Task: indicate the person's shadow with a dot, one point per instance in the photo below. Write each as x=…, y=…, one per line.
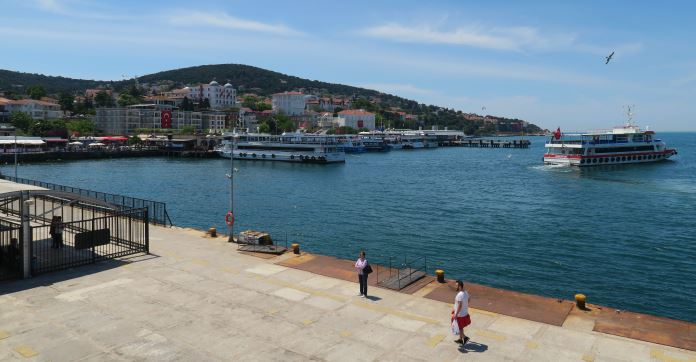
x=473, y=347
x=373, y=298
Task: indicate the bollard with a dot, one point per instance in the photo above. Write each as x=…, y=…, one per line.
x=212, y=232
x=580, y=300
x=440, y=275
x=296, y=248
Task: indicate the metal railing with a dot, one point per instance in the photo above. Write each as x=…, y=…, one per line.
x=88, y=241
x=399, y=275
x=10, y=250
x=157, y=211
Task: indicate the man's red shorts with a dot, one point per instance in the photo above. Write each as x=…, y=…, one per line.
x=463, y=321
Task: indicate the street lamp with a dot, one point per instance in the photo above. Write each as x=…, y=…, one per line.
x=15, y=153
x=231, y=177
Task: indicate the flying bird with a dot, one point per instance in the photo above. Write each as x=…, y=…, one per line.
x=609, y=58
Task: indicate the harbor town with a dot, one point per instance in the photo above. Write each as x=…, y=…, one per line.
x=319, y=181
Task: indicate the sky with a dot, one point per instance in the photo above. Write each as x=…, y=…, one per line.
x=542, y=61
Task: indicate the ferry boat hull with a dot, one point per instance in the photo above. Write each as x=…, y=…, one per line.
x=621, y=145
x=612, y=159
x=283, y=156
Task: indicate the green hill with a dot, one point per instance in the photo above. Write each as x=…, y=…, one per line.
x=265, y=82
x=16, y=82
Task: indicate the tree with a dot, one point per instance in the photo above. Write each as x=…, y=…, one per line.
x=186, y=104
x=36, y=92
x=66, y=101
x=187, y=130
x=126, y=99
x=103, y=99
x=205, y=104
x=81, y=127
x=364, y=104
x=264, y=128
x=21, y=121
x=49, y=128
x=134, y=140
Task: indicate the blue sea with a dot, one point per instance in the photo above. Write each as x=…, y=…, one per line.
x=623, y=235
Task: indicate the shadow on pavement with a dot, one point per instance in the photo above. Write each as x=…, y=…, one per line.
x=17, y=285
x=373, y=298
x=473, y=347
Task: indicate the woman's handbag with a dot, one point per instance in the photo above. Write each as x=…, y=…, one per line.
x=367, y=269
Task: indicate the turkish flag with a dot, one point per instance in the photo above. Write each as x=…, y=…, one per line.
x=166, y=118
x=557, y=134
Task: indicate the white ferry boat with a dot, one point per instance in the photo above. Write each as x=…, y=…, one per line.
x=621, y=145
x=404, y=139
x=288, y=147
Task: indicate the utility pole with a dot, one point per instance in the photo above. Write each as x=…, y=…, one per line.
x=231, y=177
x=15, y=154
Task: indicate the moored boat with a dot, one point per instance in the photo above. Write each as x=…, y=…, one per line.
x=288, y=147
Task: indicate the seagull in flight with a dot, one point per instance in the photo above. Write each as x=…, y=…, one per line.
x=609, y=58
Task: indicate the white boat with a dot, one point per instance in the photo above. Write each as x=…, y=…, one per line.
x=618, y=146
x=288, y=147
x=404, y=139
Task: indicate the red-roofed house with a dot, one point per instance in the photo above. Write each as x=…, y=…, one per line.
x=34, y=108
x=357, y=118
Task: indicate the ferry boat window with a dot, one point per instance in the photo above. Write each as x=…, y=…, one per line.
x=648, y=138
x=621, y=138
x=612, y=159
x=638, y=138
x=594, y=160
x=623, y=158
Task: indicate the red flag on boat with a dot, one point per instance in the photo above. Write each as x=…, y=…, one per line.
x=557, y=134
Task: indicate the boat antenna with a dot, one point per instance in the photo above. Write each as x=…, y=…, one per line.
x=629, y=115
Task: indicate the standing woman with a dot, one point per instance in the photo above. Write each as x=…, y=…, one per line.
x=360, y=265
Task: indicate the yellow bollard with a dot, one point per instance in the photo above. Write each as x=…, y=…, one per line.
x=440, y=275
x=212, y=232
x=580, y=300
x=296, y=248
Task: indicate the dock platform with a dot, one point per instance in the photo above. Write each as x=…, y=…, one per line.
x=199, y=299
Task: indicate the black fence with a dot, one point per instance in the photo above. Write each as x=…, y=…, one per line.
x=10, y=250
x=157, y=211
x=88, y=241
x=89, y=231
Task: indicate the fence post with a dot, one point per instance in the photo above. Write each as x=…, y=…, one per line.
x=26, y=237
x=147, y=233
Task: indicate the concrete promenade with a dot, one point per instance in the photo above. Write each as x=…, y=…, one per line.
x=198, y=299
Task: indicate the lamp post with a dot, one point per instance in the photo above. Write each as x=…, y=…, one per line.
x=15, y=153
x=231, y=177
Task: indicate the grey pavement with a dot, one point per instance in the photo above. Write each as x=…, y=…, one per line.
x=198, y=299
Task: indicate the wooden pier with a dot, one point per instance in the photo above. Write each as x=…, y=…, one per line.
x=490, y=143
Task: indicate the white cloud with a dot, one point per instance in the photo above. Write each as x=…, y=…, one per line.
x=51, y=5
x=511, y=38
x=223, y=20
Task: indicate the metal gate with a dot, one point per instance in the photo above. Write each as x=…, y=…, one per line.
x=90, y=231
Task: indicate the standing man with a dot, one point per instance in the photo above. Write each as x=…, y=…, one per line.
x=461, y=311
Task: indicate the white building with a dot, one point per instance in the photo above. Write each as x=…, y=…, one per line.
x=289, y=103
x=357, y=118
x=215, y=121
x=247, y=119
x=125, y=120
x=219, y=96
x=327, y=120
x=34, y=108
